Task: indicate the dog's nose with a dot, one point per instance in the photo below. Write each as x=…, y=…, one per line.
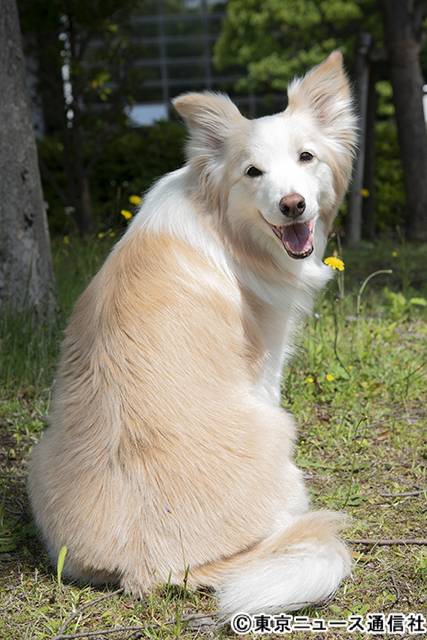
x=292, y=205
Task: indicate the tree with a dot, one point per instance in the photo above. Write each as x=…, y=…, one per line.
x=90, y=43
x=284, y=39
x=26, y=276
x=403, y=21
x=278, y=39
x=354, y=218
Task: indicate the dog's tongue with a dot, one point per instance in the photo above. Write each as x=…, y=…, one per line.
x=297, y=239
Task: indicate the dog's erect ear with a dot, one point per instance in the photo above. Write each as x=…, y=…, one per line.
x=325, y=92
x=209, y=116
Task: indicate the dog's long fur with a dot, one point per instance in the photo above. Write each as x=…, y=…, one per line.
x=167, y=449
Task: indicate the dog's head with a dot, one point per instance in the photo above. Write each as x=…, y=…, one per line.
x=271, y=178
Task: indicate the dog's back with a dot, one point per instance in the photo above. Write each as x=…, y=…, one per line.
x=149, y=461
x=167, y=450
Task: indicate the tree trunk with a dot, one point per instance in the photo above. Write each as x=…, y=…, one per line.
x=354, y=222
x=26, y=276
x=75, y=167
x=50, y=50
x=368, y=210
x=50, y=81
x=402, y=28
x=77, y=178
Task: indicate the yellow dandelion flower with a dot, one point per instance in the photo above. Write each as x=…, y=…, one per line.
x=135, y=200
x=126, y=214
x=309, y=380
x=330, y=377
x=394, y=254
x=364, y=193
x=66, y=239
x=335, y=263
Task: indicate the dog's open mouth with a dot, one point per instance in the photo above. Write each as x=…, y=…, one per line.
x=297, y=238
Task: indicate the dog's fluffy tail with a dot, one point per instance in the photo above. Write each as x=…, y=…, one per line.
x=301, y=565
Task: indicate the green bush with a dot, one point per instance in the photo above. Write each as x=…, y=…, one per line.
x=132, y=162
x=129, y=164
x=51, y=151
x=389, y=188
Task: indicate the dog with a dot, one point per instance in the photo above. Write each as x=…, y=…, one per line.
x=168, y=456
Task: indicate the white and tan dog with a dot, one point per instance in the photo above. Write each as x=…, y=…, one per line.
x=168, y=451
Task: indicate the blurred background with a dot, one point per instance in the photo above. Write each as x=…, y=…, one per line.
x=87, y=122
x=102, y=75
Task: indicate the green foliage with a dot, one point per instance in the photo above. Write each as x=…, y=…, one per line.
x=396, y=302
x=130, y=163
x=60, y=563
x=8, y=539
x=94, y=43
x=388, y=178
x=51, y=161
x=93, y=40
x=356, y=388
x=400, y=305
x=276, y=40
x=388, y=175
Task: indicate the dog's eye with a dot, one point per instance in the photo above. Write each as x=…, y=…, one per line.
x=306, y=156
x=253, y=172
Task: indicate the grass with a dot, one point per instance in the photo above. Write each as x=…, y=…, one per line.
x=357, y=388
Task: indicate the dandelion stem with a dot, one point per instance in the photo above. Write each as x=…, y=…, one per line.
x=363, y=287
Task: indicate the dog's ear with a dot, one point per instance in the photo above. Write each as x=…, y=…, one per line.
x=325, y=92
x=209, y=117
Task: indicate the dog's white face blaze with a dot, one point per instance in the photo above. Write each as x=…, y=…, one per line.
x=319, y=121
x=274, y=145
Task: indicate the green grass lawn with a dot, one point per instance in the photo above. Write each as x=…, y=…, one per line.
x=357, y=387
